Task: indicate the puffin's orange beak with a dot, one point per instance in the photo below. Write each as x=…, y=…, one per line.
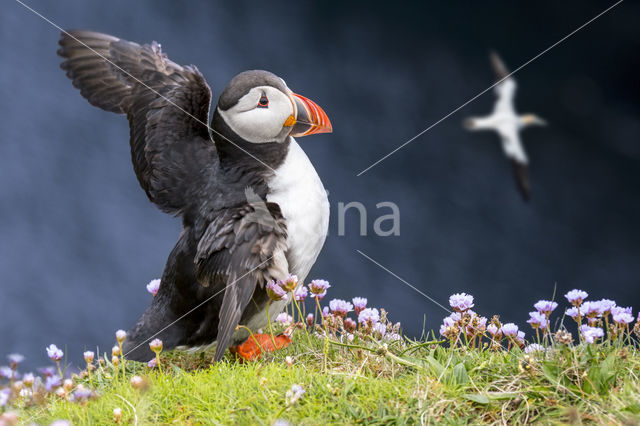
x=310, y=118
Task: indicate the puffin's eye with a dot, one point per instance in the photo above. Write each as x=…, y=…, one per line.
x=263, y=102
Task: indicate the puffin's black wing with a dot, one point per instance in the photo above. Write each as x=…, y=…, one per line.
x=167, y=106
x=521, y=174
x=244, y=252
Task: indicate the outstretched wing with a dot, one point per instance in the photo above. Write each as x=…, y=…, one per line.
x=505, y=90
x=521, y=174
x=244, y=253
x=167, y=106
x=514, y=150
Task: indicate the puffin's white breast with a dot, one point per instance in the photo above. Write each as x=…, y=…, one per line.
x=297, y=189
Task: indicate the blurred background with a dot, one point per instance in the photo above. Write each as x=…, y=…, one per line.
x=79, y=239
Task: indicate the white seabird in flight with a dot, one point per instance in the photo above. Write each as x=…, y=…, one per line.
x=508, y=124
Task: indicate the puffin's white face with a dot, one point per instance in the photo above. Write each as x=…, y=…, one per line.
x=264, y=114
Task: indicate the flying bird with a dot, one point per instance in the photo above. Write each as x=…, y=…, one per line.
x=508, y=124
x=221, y=178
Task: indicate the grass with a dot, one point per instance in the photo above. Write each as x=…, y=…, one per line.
x=369, y=382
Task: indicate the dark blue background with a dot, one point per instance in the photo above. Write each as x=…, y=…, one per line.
x=79, y=240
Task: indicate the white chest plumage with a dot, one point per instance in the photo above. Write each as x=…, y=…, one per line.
x=297, y=189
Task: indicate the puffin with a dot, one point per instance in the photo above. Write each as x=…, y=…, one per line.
x=252, y=206
x=507, y=123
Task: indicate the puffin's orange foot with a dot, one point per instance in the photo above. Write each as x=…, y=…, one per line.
x=255, y=346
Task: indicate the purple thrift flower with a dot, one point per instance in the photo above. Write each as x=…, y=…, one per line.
x=590, y=309
x=510, y=329
x=545, y=306
x=575, y=297
x=121, y=335
x=275, y=291
x=622, y=318
x=369, y=316
x=290, y=283
x=452, y=320
x=153, y=287
x=325, y=312
x=81, y=394
x=156, y=345
x=359, y=304
x=15, y=360
x=477, y=325
x=538, y=320
x=619, y=309
x=52, y=382
x=461, y=302
x=6, y=372
x=284, y=318
x=380, y=329
x=294, y=394
x=494, y=331
x=443, y=330
x=350, y=325
x=318, y=288
x=534, y=347
x=310, y=320
x=573, y=313
x=606, y=306
x=4, y=397
x=28, y=379
x=340, y=307
x=152, y=363
x=591, y=334
x=54, y=353
x=47, y=371
x=301, y=293
x=89, y=356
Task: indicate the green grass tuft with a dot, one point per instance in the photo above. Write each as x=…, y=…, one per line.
x=410, y=382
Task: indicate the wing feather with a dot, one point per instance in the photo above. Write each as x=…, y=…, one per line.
x=505, y=91
x=167, y=106
x=245, y=253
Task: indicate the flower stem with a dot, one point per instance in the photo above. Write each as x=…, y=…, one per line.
x=89, y=373
x=326, y=335
x=158, y=360
x=278, y=414
x=302, y=318
x=122, y=362
x=273, y=340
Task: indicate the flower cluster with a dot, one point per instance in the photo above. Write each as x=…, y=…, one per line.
x=29, y=388
x=461, y=302
x=463, y=324
x=602, y=316
x=334, y=318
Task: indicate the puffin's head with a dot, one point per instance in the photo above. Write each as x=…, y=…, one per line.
x=531, y=120
x=260, y=108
